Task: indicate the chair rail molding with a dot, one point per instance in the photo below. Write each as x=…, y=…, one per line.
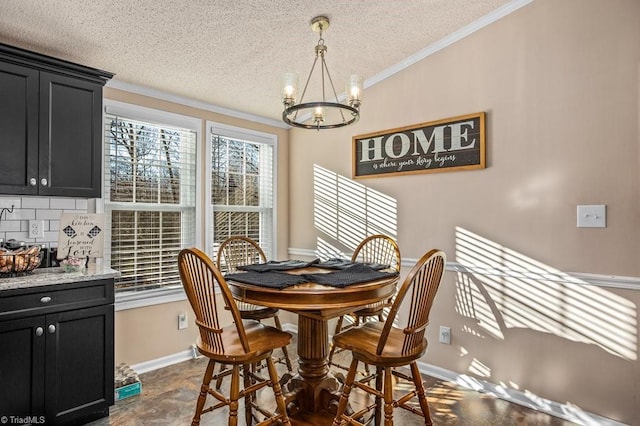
x=577, y=278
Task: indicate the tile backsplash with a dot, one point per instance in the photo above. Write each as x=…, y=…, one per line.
x=15, y=224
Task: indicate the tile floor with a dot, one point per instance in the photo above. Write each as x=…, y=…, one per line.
x=169, y=396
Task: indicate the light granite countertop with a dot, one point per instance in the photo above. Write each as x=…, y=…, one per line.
x=51, y=276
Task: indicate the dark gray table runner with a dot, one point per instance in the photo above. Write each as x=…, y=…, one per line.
x=337, y=263
x=354, y=274
x=278, y=265
x=270, y=279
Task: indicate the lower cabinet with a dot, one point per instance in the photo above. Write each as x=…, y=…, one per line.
x=22, y=367
x=57, y=368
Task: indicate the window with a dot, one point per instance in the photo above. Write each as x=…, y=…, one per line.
x=149, y=196
x=241, y=186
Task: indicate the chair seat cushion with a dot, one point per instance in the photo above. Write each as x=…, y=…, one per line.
x=262, y=340
x=362, y=341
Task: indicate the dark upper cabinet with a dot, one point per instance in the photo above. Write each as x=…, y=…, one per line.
x=50, y=125
x=18, y=128
x=70, y=137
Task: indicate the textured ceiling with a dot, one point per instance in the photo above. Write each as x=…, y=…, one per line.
x=233, y=54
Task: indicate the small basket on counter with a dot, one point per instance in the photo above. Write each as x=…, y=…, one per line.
x=19, y=261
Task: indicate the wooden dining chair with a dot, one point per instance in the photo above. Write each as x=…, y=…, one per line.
x=239, y=251
x=389, y=346
x=239, y=344
x=380, y=249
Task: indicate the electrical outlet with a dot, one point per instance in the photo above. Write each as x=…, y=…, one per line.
x=36, y=229
x=445, y=335
x=183, y=321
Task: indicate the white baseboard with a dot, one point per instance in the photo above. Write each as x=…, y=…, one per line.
x=568, y=412
x=165, y=361
x=564, y=411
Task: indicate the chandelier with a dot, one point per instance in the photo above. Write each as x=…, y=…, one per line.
x=328, y=112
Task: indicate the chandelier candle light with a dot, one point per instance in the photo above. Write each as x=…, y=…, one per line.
x=322, y=114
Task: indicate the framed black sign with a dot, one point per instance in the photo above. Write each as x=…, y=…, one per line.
x=456, y=143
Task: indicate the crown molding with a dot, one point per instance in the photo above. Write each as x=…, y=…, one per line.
x=164, y=96
x=447, y=41
x=394, y=69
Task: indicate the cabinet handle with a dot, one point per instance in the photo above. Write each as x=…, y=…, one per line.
x=52, y=328
x=33, y=182
x=45, y=299
x=44, y=181
x=39, y=331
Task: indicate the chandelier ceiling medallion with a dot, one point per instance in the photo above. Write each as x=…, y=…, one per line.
x=328, y=112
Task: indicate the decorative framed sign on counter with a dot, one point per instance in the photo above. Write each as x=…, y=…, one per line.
x=456, y=143
x=81, y=235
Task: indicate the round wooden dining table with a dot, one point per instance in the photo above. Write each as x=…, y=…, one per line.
x=314, y=388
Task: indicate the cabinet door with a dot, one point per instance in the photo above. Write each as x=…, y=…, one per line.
x=18, y=129
x=22, y=346
x=79, y=364
x=70, y=137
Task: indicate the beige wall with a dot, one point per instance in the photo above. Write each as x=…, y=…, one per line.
x=559, y=83
x=148, y=333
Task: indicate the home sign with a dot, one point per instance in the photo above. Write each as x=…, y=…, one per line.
x=456, y=143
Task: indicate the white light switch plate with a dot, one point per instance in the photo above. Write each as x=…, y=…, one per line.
x=592, y=216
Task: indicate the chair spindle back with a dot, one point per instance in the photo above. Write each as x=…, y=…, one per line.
x=238, y=251
x=421, y=286
x=199, y=278
x=380, y=249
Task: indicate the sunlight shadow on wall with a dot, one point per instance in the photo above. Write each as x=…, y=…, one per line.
x=502, y=289
x=346, y=212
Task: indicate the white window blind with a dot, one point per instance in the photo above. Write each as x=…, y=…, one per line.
x=242, y=188
x=150, y=200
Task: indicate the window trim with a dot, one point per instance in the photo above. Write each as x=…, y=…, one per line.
x=137, y=112
x=250, y=135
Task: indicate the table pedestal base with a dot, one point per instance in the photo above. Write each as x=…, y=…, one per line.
x=313, y=397
x=314, y=391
